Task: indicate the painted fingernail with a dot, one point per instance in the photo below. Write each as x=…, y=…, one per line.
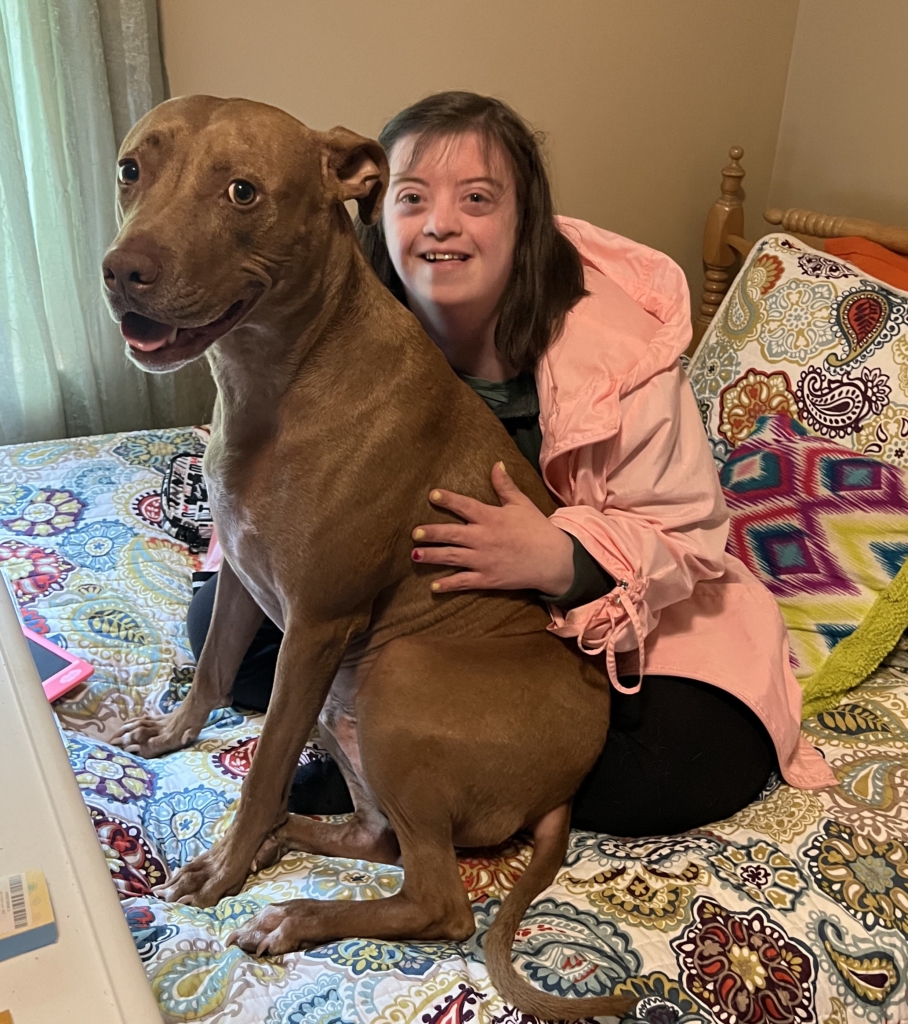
x=416, y=555
x=435, y=586
x=418, y=534
x=435, y=496
x=501, y=467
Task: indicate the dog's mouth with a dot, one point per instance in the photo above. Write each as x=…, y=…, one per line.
x=162, y=344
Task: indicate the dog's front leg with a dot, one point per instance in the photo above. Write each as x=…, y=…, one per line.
x=309, y=658
x=234, y=622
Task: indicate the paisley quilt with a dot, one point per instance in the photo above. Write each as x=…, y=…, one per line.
x=794, y=911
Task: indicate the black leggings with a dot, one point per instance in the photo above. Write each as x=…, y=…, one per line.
x=680, y=754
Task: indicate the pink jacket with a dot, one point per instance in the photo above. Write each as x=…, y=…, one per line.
x=625, y=450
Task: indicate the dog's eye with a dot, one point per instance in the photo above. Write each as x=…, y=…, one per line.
x=128, y=172
x=241, y=192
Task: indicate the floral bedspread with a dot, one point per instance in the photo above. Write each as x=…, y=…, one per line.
x=793, y=911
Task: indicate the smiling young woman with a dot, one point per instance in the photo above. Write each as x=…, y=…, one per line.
x=572, y=336
x=450, y=224
x=449, y=143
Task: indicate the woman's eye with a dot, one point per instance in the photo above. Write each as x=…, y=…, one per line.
x=127, y=172
x=476, y=197
x=411, y=198
x=240, y=192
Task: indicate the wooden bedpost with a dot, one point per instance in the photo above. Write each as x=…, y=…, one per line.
x=725, y=218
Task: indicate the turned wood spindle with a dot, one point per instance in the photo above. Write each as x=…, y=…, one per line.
x=726, y=218
x=820, y=225
x=816, y=226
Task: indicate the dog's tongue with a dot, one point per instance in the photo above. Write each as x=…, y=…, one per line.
x=144, y=334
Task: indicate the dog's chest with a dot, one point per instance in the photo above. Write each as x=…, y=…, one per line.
x=252, y=548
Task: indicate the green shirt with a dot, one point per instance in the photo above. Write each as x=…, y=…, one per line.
x=516, y=403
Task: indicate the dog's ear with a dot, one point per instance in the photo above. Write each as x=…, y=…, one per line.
x=354, y=167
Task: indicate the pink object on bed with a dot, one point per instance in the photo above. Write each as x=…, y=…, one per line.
x=70, y=670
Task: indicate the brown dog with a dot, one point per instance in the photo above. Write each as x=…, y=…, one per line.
x=456, y=719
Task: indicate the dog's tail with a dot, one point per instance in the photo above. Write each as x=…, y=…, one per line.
x=550, y=836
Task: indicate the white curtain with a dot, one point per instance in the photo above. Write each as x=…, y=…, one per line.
x=74, y=76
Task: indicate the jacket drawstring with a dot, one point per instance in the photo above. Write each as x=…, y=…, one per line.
x=613, y=603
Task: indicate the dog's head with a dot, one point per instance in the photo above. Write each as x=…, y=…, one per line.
x=223, y=205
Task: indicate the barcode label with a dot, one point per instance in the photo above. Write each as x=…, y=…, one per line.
x=17, y=900
x=15, y=904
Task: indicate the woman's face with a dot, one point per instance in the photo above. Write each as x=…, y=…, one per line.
x=450, y=221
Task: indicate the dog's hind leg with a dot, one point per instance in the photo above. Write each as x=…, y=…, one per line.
x=432, y=904
x=367, y=835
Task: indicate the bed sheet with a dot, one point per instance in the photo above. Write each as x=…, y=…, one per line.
x=794, y=910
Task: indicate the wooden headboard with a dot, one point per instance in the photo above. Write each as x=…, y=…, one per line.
x=724, y=243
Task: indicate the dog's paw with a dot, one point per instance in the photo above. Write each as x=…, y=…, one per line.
x=151, y=736
x=273, y=931
x=204, y=880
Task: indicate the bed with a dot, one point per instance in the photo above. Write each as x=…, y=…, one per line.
x=793, y=911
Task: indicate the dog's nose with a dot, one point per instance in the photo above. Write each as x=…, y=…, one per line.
x=129, y=270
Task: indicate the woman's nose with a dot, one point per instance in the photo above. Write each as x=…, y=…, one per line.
x=442, y=220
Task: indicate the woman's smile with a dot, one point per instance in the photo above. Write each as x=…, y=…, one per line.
x=444, y=257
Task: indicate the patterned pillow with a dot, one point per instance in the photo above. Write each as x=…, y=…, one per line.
x=824, y=529
x=810, y=336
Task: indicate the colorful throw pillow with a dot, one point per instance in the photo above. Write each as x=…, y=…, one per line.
x=806, y=335
x=825, y=529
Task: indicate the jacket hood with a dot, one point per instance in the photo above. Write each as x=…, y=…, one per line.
x=633, y=324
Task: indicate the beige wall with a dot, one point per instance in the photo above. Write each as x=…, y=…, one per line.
x=843, y=142
x=637, y=97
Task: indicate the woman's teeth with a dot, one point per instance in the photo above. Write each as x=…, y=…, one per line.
x=433, y=257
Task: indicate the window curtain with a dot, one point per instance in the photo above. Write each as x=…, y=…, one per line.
x=74, y=76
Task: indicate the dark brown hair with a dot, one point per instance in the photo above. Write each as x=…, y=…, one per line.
x=547, y=275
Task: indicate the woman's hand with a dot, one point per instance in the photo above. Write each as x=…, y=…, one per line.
x=511, y=547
